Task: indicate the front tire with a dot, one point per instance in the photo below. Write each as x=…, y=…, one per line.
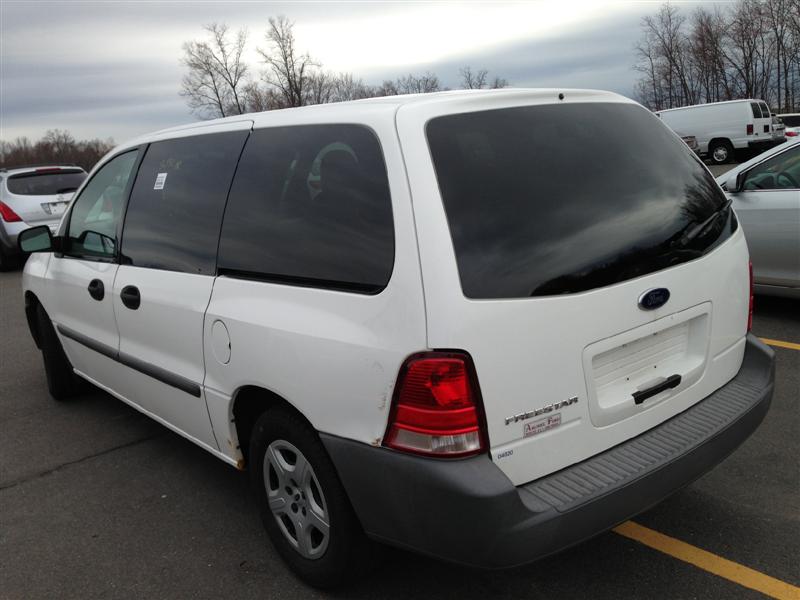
x=303, y=505
x=61, y=380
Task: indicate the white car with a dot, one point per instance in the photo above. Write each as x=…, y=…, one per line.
x=791, y=121
x=451, y=343
x=30, y=196
x=766, y=197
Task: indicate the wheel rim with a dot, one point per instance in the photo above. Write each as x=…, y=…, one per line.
x=296, y=499
x=720, y=154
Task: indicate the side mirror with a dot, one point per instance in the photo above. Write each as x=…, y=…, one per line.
x=733, y=184
x=36, y=239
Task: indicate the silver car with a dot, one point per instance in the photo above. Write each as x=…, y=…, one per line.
x=766, y=198
x=31, y=196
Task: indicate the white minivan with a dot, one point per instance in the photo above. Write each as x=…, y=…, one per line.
x=723, y=127
x=423, y=321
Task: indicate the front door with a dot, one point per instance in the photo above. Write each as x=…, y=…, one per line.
x=82, y=276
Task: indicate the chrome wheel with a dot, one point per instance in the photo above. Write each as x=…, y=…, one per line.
x=720, y=154
x=296, y=499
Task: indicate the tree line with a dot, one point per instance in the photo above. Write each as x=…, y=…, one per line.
x=748, y=49
x=56, y=147
x=218, y=81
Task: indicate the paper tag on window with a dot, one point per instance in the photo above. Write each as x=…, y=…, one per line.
x=161, y=178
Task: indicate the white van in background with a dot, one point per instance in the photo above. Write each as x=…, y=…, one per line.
x=722, y=127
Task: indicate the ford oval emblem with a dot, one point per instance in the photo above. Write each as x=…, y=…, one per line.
x=652, y=299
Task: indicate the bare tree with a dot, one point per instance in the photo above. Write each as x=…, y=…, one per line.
x=57, y=146
x=215, y=81
x=473, y=80
x=418, y=84
x=288, y=71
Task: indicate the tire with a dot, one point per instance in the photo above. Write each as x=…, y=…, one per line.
x=721, y=153
x=61, y=380
x=322, y=559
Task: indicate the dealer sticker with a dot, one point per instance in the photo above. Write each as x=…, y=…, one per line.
x=161, y=179
x=542, y=425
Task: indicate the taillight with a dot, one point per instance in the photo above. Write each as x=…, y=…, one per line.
x=750, y=309
x=790, y=133
x=9, y=216
x=436, y=409
x=750, y=129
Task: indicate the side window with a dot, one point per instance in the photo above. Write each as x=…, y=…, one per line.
x=781, y=172
x=176, y=205
x=96, y=214
x=310, y=206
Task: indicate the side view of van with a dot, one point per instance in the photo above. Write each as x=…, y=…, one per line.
x=411, y=321
x=721, y=128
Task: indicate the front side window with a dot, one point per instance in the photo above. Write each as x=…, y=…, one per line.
x=558, y=199
x=781, y=172
x=310, y=206
x=96, y=214
x=174, y=215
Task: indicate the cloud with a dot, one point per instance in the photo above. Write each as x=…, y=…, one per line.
x=112, y=69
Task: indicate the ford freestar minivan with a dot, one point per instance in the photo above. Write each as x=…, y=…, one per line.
x=483, y=326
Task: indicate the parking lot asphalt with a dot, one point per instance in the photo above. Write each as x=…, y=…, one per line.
x=97, y=501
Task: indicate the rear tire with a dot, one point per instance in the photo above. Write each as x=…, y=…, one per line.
x=721, y=153
x=61, y=380
x=311, y=523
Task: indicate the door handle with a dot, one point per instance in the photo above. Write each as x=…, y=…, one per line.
x=130, y=297
x=96, y=289
x=670, y=382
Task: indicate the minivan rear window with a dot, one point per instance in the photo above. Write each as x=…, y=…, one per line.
x=790, y=120
x=557, y=199
x=46, y=182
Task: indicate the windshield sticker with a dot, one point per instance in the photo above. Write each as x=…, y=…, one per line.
x=161, y=178
x=542, y=425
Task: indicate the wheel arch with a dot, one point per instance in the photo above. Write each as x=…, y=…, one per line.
x=31, y=304
x=248, y=403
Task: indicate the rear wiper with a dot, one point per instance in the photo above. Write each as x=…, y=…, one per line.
x=700, y=228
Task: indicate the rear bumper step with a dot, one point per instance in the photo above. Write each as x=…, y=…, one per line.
x=467, y=511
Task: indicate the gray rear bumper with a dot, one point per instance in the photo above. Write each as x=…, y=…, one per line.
x=467, y=511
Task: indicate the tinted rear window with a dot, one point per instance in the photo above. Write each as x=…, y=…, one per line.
x=175, y=210
x=46, y=183
x=557, y=199
x=790, y=121
x=754, y=106
x=310, y=206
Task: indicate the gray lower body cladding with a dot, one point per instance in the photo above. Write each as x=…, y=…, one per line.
x=467, y=511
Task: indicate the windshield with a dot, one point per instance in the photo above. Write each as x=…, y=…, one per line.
x=557, y=199
x=46, y=183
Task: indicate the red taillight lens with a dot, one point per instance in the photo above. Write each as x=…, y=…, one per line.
x=750, y=309
x=436, y=411
x=791, y=133
x=750, y=129
x=9, y=216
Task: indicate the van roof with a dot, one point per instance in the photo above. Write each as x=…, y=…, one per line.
x=711, y=104
x=391, y=104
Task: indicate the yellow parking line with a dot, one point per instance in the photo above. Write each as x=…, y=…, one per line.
x=707, y=561
x=780, y=344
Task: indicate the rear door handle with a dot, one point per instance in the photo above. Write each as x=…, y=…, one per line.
x=669, y=383
x=130, y=297
x=96, y=289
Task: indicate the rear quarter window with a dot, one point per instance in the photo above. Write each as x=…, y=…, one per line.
x=557, y=199
x=310, y=206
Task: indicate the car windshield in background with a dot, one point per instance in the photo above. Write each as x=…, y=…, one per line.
x=557, y=199
x=46, y=183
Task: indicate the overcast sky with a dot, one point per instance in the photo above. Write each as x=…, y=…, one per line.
x=111, y=69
